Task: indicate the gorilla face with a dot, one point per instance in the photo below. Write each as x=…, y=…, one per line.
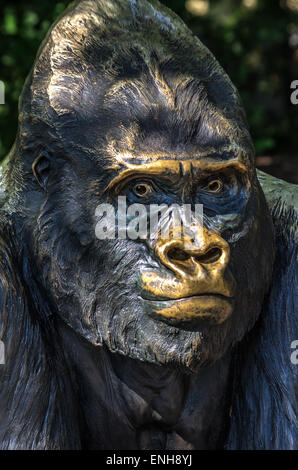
x=156, y=127
x=160, y=300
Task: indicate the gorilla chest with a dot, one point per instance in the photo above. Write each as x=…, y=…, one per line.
x=174, y=416
x=139, y=424
x=153, y=417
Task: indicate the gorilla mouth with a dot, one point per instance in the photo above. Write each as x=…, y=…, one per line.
x=215, y=308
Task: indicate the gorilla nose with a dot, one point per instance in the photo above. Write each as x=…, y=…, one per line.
x=211, y=256
x=192, y=258
x=198, y=266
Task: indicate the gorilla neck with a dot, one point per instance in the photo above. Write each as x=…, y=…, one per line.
x=127, y=404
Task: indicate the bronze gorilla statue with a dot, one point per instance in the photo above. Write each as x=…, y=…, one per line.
x=146, y=343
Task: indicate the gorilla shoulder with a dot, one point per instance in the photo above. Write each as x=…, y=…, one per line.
x=268, y=378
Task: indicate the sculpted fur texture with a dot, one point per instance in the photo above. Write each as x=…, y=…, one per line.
x=146, y=343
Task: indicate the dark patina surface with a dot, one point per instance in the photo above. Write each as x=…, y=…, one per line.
x=141, y=344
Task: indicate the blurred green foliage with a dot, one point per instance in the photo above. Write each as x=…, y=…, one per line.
x=256, y=41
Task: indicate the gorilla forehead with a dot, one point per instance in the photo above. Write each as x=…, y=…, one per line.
x=129, y=74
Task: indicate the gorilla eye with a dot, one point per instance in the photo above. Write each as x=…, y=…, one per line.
x=142, y=189
x=215, y=186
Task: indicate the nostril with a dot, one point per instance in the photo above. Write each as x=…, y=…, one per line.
x=211, y=256
x=176, y=254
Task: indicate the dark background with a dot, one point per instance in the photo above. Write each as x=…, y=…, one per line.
x=256, y=41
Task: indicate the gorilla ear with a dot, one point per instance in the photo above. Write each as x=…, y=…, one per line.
x=41, y=169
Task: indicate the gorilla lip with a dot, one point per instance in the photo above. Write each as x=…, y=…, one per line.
x=213, y=307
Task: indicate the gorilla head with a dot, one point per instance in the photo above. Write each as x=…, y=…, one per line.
x=124, y=101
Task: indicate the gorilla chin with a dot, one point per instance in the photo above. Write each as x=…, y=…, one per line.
x=188, y=337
